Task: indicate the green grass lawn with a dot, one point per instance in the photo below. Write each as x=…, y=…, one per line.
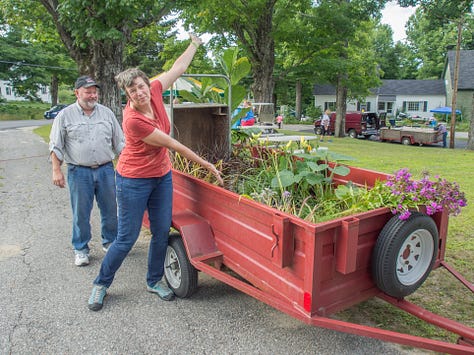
x=22, y=110
x=441, y=293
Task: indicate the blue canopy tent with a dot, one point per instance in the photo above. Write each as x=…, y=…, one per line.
x=446, y=110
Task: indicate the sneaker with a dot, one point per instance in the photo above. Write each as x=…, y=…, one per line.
x=162, y=290
x=105, y=247
x=96, y=300
x=81, y=259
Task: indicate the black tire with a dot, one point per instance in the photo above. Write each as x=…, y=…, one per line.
x=404, y=254
x=406, y=141
x=318, y=131
x=181, y=275
x=352, y=133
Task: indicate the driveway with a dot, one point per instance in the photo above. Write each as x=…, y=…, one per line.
x=43, y=296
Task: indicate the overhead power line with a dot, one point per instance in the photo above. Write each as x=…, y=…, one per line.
x=35, y=65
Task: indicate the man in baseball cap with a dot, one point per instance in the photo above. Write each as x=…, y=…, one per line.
x=87, y=137
x=85, y=82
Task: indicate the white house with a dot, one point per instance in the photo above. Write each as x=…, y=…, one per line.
x=415, y=97
x=8, y=93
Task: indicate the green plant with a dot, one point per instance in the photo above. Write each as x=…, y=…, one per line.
x=301, y=182
x=314, y=112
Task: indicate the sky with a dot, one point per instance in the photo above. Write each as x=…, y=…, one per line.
x=396, y=17
x=392, y=15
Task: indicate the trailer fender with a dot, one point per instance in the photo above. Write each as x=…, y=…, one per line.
x=404, y=254
x=196, y=233
x=193, y=244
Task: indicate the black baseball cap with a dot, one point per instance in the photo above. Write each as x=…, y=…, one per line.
x=85, y=82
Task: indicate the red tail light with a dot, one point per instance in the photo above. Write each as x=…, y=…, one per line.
x=307, y=301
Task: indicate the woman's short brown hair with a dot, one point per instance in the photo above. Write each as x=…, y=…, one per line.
x=125, y=79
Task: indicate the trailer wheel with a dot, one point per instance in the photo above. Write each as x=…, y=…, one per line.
x=404, y=254
x=318, y=131
x=406, y=141
x=182, y=277
x=352, y=133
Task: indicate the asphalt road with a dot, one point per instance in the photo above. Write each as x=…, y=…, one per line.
x=43, y=295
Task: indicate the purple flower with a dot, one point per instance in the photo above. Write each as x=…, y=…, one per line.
x=435, y=195
x=405, y=215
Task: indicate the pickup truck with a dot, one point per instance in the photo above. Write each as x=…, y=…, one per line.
x=356, y=124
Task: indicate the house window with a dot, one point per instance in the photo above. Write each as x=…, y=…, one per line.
x=417, y=106
x=8, y=91
x=413, y=106
x=389, y=107
x=330, y=106
x=363, y=106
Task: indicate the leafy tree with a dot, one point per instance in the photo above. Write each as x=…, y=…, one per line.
x=442, y=13
x=253, y=24
x=345, y=55
x=386, y=53
x=95, y=33
x=430, y=41
x=28, y=62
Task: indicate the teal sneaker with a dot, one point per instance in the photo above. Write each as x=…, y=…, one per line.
x=162, y=290
x=96, y=300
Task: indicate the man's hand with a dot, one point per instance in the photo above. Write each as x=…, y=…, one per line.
x=58, y=178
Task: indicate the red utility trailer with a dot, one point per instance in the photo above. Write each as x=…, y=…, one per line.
x=308, y=270
x=410, y=135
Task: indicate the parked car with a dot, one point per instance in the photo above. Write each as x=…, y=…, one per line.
x=53, y=111
x=357, y=124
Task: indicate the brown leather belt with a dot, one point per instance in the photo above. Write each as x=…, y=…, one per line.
x=93, y=166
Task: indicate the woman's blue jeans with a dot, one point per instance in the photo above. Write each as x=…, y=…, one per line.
x=133, y=197
x=85, y=184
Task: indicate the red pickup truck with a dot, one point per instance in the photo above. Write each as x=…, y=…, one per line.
x=357, y=124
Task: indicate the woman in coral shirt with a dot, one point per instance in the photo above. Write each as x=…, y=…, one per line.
x=144, y=176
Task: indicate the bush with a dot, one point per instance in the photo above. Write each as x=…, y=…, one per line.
x=22, y=110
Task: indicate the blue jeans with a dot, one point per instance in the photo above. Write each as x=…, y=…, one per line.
x=133, y=197
x=85, y=184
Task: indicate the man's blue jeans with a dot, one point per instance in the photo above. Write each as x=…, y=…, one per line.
x=133, y=197
x=85, y=184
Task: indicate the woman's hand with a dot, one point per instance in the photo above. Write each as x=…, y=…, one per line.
x=211, y=167
x=195, y=39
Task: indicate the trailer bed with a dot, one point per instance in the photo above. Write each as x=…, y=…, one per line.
x=410, y=135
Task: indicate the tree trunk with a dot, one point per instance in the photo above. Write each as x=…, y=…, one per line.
x=261, y=48
x=470, y=136
x=54, y=89
x=298, y=105
x=341, y=107
x=108, y=62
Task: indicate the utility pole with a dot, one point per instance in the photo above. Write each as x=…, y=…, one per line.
x=455, y=85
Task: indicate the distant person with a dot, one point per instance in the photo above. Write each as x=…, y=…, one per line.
x=279, y=120
x=325, y=121
x=87, y=137
x=443, y=132
x=432, y=122
x=144, y=177
x=249, y=119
